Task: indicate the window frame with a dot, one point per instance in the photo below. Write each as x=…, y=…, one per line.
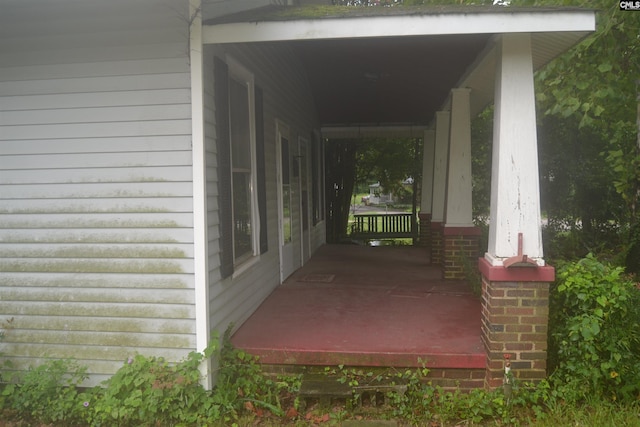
x=242, y=75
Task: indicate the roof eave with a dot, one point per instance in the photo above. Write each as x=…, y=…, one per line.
x=463, y=22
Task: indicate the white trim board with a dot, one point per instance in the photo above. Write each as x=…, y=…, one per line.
x=406, y=25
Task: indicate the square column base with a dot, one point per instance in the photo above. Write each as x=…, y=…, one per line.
x=515, y=318
x=425, y=230
x=461, y=246
x=436, y=230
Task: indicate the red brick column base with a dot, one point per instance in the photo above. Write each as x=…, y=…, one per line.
x=425, y=230
x=515, y=317
x=460, y=247
x=436, y=242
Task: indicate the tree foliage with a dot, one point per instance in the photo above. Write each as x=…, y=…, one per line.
x=388, y=161
x=594, y=89
x=589, y=135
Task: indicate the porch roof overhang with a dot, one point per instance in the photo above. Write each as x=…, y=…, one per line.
x=386, y=71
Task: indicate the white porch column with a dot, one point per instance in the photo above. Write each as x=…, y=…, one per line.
x=511, y=284
x=515, y=192
x=440, y=165
x=440, y=154
x=428, y=155
x=459, y=236
x=428, y=139
x=458, y=211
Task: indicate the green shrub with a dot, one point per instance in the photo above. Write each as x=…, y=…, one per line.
x=48, y=393
x=149, y=390
x=594, y=339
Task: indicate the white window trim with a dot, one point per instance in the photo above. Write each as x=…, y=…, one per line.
x=282, y=130
x=241, y=74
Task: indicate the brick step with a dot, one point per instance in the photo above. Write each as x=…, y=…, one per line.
x=329, y=386
x=326, y=388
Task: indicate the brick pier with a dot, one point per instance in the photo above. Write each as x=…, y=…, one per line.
x=460, y=248
x=515, y=315
x=425, y=229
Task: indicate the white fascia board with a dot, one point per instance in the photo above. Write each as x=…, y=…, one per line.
x=408, y=25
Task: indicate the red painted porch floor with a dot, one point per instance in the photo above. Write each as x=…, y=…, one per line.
x=367, y=306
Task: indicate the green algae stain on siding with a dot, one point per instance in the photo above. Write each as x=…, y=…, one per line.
x=87, y=251
x=157, y=282
x=89, y=237
x=121, y=296
x=71, y=209
x=106, y=311
x=104, y=339
x=91, y=223
x=130, y=324
x=92, y=266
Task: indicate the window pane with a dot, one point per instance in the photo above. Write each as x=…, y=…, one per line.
x=284, y=144
x=239, y=125
x=242, y=214
x=286, y=191
x=286, y=213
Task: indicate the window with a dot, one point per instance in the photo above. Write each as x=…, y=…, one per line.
x=287, y=217
x=242, y=169
x=317, y=178
x=240, y=164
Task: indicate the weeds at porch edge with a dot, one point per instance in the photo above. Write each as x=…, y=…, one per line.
x=149, y=391
x=409, y=396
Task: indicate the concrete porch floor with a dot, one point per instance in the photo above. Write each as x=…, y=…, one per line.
x=367, y=306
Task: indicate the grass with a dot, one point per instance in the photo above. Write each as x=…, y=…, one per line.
x=593, y=414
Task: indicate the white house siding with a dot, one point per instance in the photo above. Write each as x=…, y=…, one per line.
x=96, y=238
x=287, y=98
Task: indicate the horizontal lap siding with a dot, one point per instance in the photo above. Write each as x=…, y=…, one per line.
x=287, y=97
x=96, y=211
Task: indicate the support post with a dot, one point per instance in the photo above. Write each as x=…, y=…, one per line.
x=515, y=191
x=460, y=236
x=440, y=164
x=426, y=199
x=515, y=317
x=515, y=293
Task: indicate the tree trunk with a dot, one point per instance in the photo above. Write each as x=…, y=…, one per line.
x=341, y=161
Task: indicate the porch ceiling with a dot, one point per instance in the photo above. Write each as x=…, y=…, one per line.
x=388, y=80
x=393, y=68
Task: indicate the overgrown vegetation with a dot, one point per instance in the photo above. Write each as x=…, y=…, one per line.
x=147, y=391
x=595, y=334
x=594, y=378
